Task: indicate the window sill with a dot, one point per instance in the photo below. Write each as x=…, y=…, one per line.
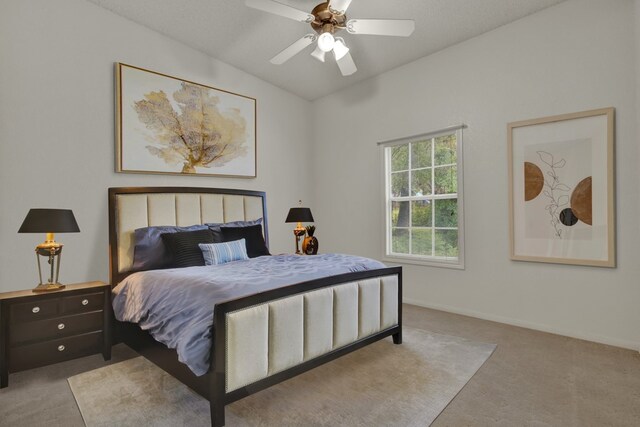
x=456, y=265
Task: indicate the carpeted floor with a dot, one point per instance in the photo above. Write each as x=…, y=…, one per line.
x=538, y=379
x=380, y=385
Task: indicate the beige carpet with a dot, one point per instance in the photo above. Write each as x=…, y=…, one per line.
x=379, y=385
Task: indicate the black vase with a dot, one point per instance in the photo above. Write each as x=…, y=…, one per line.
x=310, y=245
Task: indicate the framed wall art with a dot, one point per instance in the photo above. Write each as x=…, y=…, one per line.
x=561, y=189
x=169, y=125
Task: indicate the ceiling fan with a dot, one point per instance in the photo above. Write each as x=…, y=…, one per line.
x=326, y=19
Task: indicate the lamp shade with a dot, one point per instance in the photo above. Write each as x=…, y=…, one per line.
x=299, y=215
x=49, y=221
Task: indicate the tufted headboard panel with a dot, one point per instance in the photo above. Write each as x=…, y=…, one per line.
x=136, y=207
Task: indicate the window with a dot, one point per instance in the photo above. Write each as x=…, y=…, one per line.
x=423, y=194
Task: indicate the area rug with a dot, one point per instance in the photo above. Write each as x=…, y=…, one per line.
x=380, y=385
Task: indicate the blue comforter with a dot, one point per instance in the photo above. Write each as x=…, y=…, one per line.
x=176, y=306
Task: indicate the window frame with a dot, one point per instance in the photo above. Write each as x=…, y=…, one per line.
x=427, y=260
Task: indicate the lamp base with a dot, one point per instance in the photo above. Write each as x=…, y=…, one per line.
x=48, y=287
x=297, y=232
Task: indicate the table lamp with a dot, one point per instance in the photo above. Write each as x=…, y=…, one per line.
x=299, y=215
x=49, y=221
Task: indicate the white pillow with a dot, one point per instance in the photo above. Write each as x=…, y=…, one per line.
x=220, y=253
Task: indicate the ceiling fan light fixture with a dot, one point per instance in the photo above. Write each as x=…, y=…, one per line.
x=326, y=42
x=340, y=49
x=327, y=19
x=318, y=54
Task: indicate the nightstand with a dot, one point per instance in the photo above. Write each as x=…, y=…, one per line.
x=46, y=328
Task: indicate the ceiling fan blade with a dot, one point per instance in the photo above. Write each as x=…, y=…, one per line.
x=346, y=65
x=382, y=27
x=280, y=9
x=339, y=5
x=294, y=49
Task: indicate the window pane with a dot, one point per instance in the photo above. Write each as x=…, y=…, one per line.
x=445, y=150
x=446, y=243
x=421, y=182
x=421, y=213
x=446, y=180
x=446, y=213
x=421, y=154
x=400, y=184
x=421, y=241
x=400, y=241
x=400, y=214
x=400, y=158
x=425, y=169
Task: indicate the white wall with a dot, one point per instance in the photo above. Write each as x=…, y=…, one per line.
x=57, y=129
x=573, y=57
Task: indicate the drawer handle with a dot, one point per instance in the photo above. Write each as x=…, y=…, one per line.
x=61, y=326
x=35, y=310
x=61, y=348
x=85, y=301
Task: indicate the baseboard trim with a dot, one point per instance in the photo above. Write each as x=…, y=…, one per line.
x=529, y=325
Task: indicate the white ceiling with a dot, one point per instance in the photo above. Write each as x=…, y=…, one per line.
x=247, y=38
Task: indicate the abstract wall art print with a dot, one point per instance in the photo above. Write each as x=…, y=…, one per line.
x=561, y=189
x=172, y=126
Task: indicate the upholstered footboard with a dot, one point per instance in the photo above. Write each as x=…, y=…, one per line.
x=266, y=338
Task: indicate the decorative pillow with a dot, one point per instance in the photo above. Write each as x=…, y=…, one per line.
x=150, y=252
x=217, y=234
x=220, y=253
x=253, y=236
x=184, y=248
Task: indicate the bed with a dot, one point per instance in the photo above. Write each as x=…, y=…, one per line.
x=262, y=338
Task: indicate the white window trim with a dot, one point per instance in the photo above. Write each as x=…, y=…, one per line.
x=386, y=244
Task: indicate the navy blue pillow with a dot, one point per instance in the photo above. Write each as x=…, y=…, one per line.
x=184, y=248
x=150, y=252
x=253, y=236
x=215, y=227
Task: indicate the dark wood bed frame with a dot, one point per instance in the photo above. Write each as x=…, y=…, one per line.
x=212, y=385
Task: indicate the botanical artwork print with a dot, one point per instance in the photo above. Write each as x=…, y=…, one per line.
x=557, y=190
x=169, y=125
x=197, y=134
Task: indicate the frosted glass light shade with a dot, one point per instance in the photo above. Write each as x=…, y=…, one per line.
x=318, y=54
x=340, y=49
x=326, y=42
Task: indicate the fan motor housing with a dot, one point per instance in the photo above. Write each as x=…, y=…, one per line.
x=326, y=20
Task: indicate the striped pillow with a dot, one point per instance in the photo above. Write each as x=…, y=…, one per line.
x=220, y=253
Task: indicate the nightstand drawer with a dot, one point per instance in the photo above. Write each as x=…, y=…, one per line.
x=54, y=351
x=82, y=303
x=34, y=310
x=56, y=328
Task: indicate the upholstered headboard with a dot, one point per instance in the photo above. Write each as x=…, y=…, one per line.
x=136, y=207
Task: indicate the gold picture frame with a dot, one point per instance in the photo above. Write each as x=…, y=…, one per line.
x=169, y=125
x=562, y=189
